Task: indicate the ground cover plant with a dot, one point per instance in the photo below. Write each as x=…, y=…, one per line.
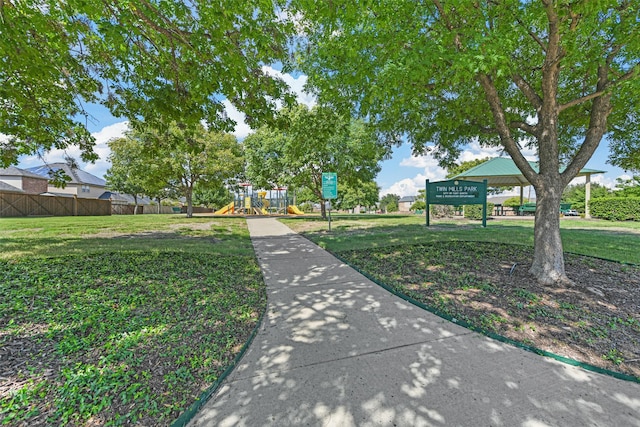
x=480, y=276
x=120, y=320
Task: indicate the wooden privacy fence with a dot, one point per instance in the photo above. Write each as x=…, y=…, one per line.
x=17, y=204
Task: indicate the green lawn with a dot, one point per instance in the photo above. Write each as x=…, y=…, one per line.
x=122, y=319
x=616, y=241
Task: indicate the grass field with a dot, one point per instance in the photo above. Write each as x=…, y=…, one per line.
x=122, y=319
x=616, y=241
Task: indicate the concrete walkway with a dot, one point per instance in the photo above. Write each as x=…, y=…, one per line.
x=337, y=350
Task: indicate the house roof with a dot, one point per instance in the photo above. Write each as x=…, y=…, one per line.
x=124, y=198
x=407, y=199
x=9, y=188
x=78, y=176
x=14, y=171
x=503, y=172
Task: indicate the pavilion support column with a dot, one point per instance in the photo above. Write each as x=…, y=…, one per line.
x=587, y=196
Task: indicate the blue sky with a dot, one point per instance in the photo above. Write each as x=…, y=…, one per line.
x=403, y=174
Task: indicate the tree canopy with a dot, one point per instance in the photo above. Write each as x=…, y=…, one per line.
x=151, y=61
x=364, y=194
x=389, y=202
x=555, y=76
x=310, y=142
x=178, y=158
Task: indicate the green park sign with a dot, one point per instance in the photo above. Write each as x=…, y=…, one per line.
x=329, y=185
x=457, y=192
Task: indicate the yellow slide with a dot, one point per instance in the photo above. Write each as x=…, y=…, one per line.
x=225, y=209
x=293, y=209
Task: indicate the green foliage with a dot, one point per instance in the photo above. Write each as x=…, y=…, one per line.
x=129, y=171
x=514, y=202
x=418, y=204
x=365, y=194
x=151, y=61
x=575, y=194
x=309, y=142
x=625, y=149
x=176, y=159
x=389, y=203
x=211, y=195
x=628, y=187
x=550, y=76
x=616, y=208
x=475, y=211
x=442, y=211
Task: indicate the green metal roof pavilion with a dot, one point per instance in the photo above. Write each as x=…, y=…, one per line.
x=503, y=172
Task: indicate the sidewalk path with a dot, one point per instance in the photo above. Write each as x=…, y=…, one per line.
x=335, y=349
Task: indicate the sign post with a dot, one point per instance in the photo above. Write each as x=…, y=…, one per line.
x=329, y=189
x=457, y=192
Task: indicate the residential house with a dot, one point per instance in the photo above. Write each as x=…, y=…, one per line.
x=82, y=183
x=18, y=180
x=405, y=203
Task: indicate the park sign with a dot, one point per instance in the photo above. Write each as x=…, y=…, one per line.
x=457, y=192
x=329, y=185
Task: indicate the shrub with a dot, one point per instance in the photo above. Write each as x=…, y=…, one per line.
x=441, y=211
x=616, y=208
x=475, y=211
x=514, y=202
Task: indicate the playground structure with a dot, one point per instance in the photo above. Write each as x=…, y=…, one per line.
x=249, y=202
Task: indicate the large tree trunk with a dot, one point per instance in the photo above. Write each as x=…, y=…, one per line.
x=548, y=258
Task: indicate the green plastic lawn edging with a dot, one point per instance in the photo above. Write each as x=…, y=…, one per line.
x=490, y=334
x=188, y=415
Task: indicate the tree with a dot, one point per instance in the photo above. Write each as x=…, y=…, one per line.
x=364, y=194
x=310, y=142
x=628, y=187
x=421, y=200
x=216, y=195
x=148, y=60
x=178, y=158
x=551, y=75
x=389, y=203
x=129, y=171
x=576, y=195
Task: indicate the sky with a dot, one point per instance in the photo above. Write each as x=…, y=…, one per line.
x=403, y=174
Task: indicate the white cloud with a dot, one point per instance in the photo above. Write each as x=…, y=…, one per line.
x=242, y=129
x=405, y=187
x=433, y=172
x=101, y=148
x=295, y=83
x=602, y=179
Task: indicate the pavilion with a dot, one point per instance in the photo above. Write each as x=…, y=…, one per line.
x=503, y=172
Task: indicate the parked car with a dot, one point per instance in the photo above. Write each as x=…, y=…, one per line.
x=571, y=212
